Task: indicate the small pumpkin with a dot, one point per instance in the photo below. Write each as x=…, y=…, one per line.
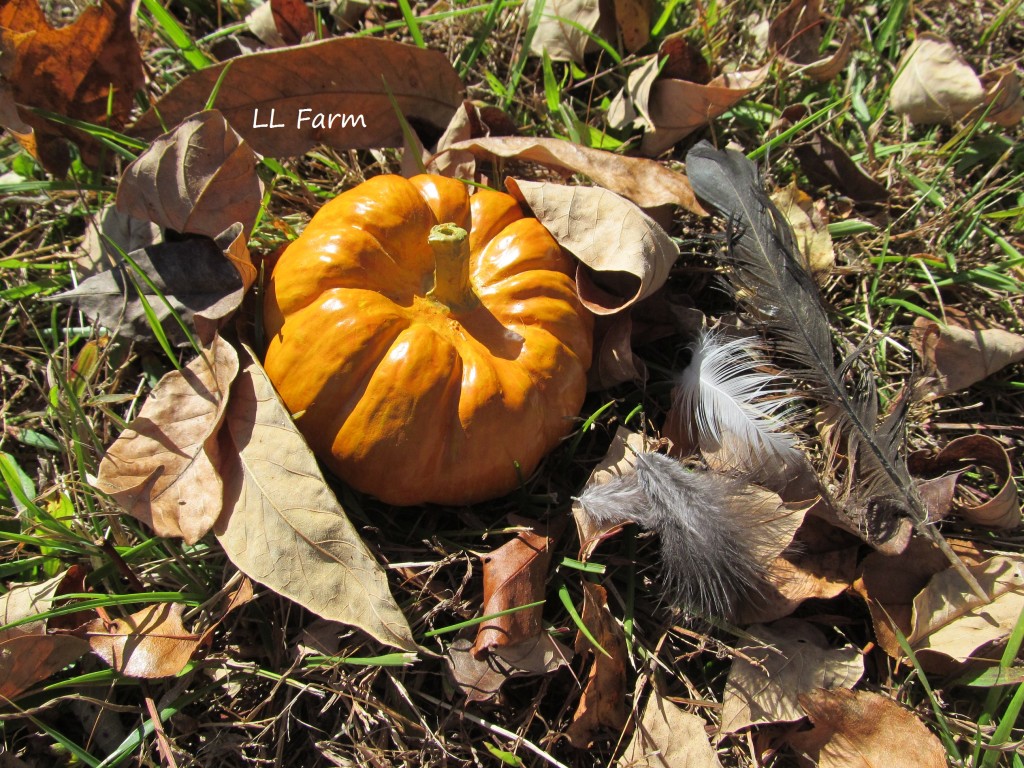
x=427, y=364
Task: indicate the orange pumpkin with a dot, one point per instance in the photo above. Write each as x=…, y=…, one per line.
x=426, y=365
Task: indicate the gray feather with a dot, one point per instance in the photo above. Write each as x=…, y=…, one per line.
x=709, y=538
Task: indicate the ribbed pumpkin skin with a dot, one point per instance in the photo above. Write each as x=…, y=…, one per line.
x=400, y=396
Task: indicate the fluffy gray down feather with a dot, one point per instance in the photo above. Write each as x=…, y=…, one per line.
x=710, y=535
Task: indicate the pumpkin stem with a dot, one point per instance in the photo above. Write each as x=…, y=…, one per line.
x=452, y=288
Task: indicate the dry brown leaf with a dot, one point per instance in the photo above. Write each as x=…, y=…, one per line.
x=22, y=601
x=860, y=729
x=614, y=361
x=150, y=643
x=1002, y=509
x=1003, y=93
x=809, y=221
x=959, y=357
x=949, y=619
x=795, y=658
x=481, y=678
x=796, y=35
x=671, y=109
x=199, y=178
x=889, y=584
x=634, y=20
x=28, y=659
x=820, y=563
x=827, y=164
x=165, y=468
x=933, y=83
x=514, y=575
x=343, y=76
x=645, y=182
x=281, y=22
x=282, y=525
x=603, y=703
x=624, y=254
x=447, y=159
x=669, y=737
x=564, y=41
x=88, y=70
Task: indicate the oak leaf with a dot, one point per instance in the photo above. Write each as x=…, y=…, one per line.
x=88, y=70
x=149, y=643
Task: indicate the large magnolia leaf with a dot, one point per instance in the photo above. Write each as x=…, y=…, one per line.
x=163, y=468
x=622, y=246
x=282, y=525
x=299, y=89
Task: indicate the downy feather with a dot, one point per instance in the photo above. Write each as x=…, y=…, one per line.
x=738, y=411
x=709, y=537
x=766, y=270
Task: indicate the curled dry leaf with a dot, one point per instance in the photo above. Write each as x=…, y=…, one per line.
x=28, y=659
x=199, y=178
x=820, y=563
x=1003, y=93
x=164, y=469
x=796, y=34
x=150, y=643
x=562, y=31
x=669, y=737
x=481, y=678
x=958, y=357
x=809, y=220
x=603, y=703
x=949, y=619
x=193, y=276
x=624, y=254
x=88, y=70
x=866, y=730
x=514, y=575
x=793, y=658
x=1002, y=509
x=319, y=77
x=933, y=83
x=645, y=182
x=282, y=525
x=281, y=22
x=670, y=109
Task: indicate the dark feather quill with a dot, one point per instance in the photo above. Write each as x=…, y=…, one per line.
x=767, y=271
